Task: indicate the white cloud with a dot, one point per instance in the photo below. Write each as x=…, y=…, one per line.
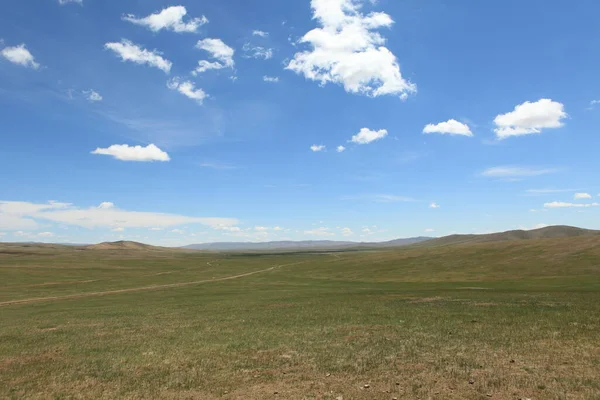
x=560, y=204
x=277, y=228
x=347, y=232
x=20, y=55
x=529, y=118
x=170, y=18
x=429, y=230
x=63, y=2
x=271, y=79
x=367, y=231
x=261, y=228
x=340, y=149
x=450, y=127
x=92, y=95
x=188, y=89
x=366, y=136
x=319, y=232
x=580, y=196
x=118, y=229
x=10, y=222
x=95, y=217
x=260, y=33
x=516, y=172
x=219, y=51
x=125, y=152
x=129, y=51
x=257, y=52
x=348, y=50
x=106, y=205
x=178, y=231
x=317, y=147
x=434, y=205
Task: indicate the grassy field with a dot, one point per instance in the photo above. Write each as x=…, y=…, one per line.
x=513, y=320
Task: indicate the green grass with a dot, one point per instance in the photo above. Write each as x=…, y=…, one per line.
x=517, y=319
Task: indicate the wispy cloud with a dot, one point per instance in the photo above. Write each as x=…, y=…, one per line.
x=562, y=204
x=516, y=172
x=542, y=192
x=380, y=198
x=129, y=51
x=217, y=165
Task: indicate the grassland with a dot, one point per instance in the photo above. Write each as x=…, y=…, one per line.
x=497, y=320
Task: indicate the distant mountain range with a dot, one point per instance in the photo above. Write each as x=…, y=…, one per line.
x=301, y=245
x=551, y=232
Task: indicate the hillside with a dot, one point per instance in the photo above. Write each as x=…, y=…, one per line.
x=122, y=245
x=550, y=232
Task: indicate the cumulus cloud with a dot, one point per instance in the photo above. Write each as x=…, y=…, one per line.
x=92, y=95
x=529, y=118
x=319, y=232
x=347, y=232
x=125, y=152
x=340, y=149
x=434, y=205
x=217, y=50
x=450, y=127
x=271, y=79
x=63, y=2
x=96, y=217
x=516, y=172
x=188, y=89
x=118, y=229
x=561, y=204
x=366, y=136
x=129, y=51
x=20, y=55
x=170, y=18
x=317, y=147
x=348, y=50
x=260, y=33
x=106, y=205
x=429, y=230
x=581, y=196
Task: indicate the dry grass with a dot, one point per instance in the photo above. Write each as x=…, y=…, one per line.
x=501, y=321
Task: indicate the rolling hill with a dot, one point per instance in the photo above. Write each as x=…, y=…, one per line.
x=550, y=232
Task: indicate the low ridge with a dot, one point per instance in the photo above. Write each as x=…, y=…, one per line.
x=550, y=232
x=121, y=245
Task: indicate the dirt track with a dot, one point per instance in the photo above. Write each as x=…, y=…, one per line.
x=138, y=289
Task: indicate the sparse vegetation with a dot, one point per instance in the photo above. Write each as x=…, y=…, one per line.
x=507, y=320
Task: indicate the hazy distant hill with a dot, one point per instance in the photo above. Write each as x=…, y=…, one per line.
x=122, y=245
x=551, y=232
x=300, y=245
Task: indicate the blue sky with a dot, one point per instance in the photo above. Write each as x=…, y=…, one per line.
x=197, y=121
